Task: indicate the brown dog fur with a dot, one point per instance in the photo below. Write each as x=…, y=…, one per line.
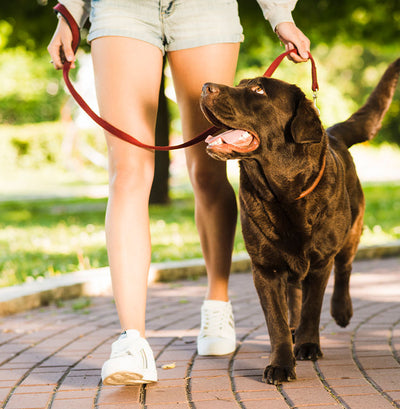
x=294, y=243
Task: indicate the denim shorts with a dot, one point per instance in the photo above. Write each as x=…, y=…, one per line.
x=170, y=25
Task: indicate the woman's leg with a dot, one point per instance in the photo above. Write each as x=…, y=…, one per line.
x=127, y=73
x=215, y=202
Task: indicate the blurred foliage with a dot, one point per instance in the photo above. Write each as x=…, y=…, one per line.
x=32, y=23
x=49, y=154
x=32, y=91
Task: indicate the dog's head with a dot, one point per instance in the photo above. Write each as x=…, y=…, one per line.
x=260, y=115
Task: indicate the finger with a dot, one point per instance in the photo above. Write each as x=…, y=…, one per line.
x=54, y=52
x=289, y=46
x=303, y=50
x=298, y=56
x=68, y=53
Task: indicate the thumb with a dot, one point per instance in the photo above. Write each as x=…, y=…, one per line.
x=68, y=51
x=303, y=53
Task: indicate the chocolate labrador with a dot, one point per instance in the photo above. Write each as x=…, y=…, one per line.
x=301, y=202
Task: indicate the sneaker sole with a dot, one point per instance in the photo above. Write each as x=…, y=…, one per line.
x=126, y=378
x=124, y=371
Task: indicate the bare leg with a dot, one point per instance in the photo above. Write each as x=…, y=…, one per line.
x=215, y=202
x=128, y=73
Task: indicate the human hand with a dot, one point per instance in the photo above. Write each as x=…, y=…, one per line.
x=292, y=37
x=60, y=46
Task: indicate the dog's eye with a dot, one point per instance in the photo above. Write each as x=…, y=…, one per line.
x=258, y=89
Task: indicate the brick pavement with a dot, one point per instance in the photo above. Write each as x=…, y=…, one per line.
x=51, y=357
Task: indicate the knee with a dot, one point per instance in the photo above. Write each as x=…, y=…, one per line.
x=211, y=186
x=207, y=180
x=132, y=177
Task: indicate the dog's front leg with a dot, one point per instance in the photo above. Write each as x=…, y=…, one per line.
x=272, y=291
x=307, y=345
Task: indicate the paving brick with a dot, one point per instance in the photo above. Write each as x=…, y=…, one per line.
x=219, y=404
x=367, y=401
x=254, y=363
x=210, y=363
x=46, y=378
x=212, y=395
x=271, y=394
x=340, y=372
x=34, y=389
x=208, y=372
x=175, y=373
x=215, y=383
x=387, y=379
x=264, y=404
x=11, y=375
x=72, y=404
x=378, y=362
x=7, y=384
x=333, y=406
x=354, y=390
x=119, y=394
x=167, y=383
x=28, y=401
x=309, y=397
x=75, y=394
x=162, y=406
x=166, y=395
x=251, y=383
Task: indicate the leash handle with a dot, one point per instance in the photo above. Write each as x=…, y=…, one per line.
x=59, y=8
x=271, y=69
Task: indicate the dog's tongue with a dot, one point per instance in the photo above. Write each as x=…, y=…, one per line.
x=236, y=137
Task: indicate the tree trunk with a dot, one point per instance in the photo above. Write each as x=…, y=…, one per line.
x=160, y=189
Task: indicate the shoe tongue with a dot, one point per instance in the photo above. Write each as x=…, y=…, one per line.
x=215, y=304
x=130, y=333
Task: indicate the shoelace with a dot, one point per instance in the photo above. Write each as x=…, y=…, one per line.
x=215, y=322
x=137, y=352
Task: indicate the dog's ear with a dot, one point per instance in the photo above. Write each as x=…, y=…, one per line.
x=306, y=126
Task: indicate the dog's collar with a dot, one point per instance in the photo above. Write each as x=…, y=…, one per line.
x=316, y=181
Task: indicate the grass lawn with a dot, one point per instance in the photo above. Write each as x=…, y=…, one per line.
x=41, y=238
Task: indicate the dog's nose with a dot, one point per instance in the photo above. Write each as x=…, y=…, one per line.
x=209, y=88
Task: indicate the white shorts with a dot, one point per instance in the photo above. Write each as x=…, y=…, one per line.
x=170, y=25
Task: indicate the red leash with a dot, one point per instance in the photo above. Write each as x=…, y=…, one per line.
x=59, y=8
x=278, y=60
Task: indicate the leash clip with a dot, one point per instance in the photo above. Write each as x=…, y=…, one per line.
x=315, y=97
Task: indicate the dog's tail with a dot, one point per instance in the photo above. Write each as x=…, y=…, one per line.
x=364, y=124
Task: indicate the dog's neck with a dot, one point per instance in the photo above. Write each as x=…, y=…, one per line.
x=298, y=181
x=316, y=181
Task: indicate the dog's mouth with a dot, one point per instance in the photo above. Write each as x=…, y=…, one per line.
x=232, y=140
x=237, y=140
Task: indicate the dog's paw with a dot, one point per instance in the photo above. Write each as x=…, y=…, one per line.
x=342, y=311
x=275, y=375
x=308, y=352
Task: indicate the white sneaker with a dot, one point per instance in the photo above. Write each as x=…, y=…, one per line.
x=131, y=361
x=217, y=334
